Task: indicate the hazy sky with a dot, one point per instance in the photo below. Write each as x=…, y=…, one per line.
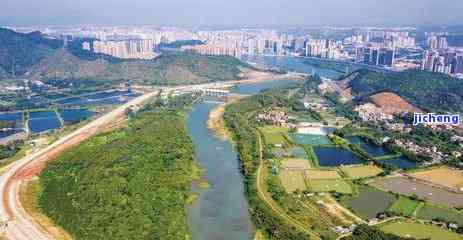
x=231, y=12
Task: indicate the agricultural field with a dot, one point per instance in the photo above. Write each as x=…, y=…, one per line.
x=362, y=171
x=404, y=206
x=292, y=180
x=369, y=202
x=295, y=164
x=420, y=231
x=297, y=152
x=322, y=174
x=310, y=139
x=409, y=187
x=442, y=176
x=274, y=135
x=429, y=212
x=329, y=185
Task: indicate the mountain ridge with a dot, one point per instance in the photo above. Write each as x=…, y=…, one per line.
x=44, y=58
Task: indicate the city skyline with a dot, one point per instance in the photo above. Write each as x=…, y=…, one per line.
x=240, y=12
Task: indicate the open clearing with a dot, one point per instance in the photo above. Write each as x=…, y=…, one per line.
x=329, y=185
x=364, y=171
x=409, y=187
x=295, y=164
x=420, y=231
x=429, y=212
x=369, y=202
x=322, y=174
x=442, y=176
x=274, y=135
x=391, y=103
x=292, y=180
x=404, y=206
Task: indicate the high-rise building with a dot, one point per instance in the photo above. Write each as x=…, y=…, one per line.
x=432, y=42
x=458, y=65
x=442, y=43
x=315, y=48
x=378, y=56
x=138, y=48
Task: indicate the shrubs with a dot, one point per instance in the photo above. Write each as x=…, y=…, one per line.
x=128, y=184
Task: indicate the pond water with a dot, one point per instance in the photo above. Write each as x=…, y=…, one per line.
x=372, y=149
x=400, y=162
x=103, y=98
x=42, y=114
x=71, y=116
x=40, y=125
x=310, y=139
x=333, y=156
x=11, y=117
x=4, y=134
x=43, y=121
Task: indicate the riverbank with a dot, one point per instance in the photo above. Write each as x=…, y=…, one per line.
x=215, y=120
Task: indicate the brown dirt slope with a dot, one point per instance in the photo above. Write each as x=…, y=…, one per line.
x=392, y=103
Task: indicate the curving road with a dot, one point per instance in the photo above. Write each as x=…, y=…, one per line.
x=17, y=224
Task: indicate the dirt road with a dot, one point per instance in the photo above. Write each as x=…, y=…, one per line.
x=16, y=223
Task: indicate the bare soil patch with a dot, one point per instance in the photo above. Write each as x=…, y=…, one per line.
x=392, y=103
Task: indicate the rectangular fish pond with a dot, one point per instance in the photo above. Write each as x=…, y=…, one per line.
x=333, y=156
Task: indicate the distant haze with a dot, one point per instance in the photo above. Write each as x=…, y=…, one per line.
x=231, y=12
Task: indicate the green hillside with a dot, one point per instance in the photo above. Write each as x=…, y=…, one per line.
x=128, y=184
x=169, y=68
x=430, y=91
x=20, y=51
x=35, y=56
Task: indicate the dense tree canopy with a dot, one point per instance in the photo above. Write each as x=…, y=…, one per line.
x=129, y=184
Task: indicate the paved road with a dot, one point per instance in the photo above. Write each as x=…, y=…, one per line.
x=20, y=225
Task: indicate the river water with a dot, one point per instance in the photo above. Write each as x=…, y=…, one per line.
x=221, y=211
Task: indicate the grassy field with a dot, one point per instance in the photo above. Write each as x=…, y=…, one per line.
x=274, y=135
x=310, y=139
x=322, y=174
x=429, y=212
x=369, y=202
x=295, y=164
x=443, y=176
x=292, y=180
x=357, y=172
x=328, y=185
x=404, y=206
x=420, y=231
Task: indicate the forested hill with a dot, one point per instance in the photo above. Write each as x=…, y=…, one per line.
x=20, y=51
x=433, y=92
x=38, y=57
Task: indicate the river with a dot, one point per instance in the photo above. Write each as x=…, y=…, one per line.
x=221, y=211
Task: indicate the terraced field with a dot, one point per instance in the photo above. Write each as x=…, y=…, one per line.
x=420, y=231
x=369, y=202
x=292, y=180
x=329, y=185
x=404, y=206
x=429, y=212
x=362, y=171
